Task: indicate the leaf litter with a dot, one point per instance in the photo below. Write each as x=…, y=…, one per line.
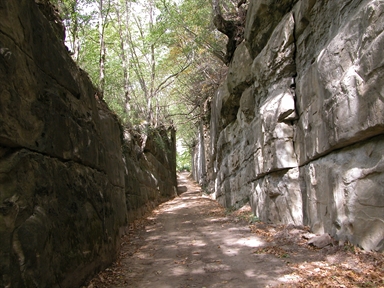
x=336, y=265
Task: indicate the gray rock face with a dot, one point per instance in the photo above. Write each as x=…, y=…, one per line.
x=277, y=197
x=67, y=190
x=303, y=139
x=339, y=89
x=262, y=18
x=320, y=241
x=344, y=193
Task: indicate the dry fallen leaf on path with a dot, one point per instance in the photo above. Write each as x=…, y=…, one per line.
x=332, y=266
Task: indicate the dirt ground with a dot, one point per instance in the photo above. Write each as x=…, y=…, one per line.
x=191, y=241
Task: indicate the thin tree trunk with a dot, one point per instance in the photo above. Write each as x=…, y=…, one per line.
x=201, y=165
x=101, y=21
x=151, y=120
x=123, y=55
x=75, y=32
x=126, y=48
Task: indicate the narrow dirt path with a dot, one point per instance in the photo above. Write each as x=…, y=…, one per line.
x=188, y=242
x=191, y=242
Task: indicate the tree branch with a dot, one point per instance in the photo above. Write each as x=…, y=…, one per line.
x=159, y=87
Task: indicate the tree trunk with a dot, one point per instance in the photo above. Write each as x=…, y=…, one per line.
x=123, y=54
x=151, y=119
x=201, y=165
x=74, y=30
x=102, y=49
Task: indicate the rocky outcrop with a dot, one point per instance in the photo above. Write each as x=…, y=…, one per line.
x=297, y=127
x=66, y=184
x=150, y=174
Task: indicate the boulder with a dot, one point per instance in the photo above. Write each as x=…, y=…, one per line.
x=320, y=241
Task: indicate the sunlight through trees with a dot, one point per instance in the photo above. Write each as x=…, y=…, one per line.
x=156, y=62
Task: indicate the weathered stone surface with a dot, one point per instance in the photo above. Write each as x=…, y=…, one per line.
x=270, y=133
x=320, y=241
x=237, y=164
x=254, y=146
x=59, y=221
x=262, y=19
x=247, y=105
x=276, y=197
x=311, y=121
x=240, y=76
x=340, y=93
x=62, y=177
x=229, y=107
x=150, y=176
x=62, y=100
x=275, y=149
x=344, y=194
x=274, y=67
x=67, y=188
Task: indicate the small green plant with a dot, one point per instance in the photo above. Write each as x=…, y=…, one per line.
x=160, y=143
x=253, y=219
x=349, y=247
x=183, y=161
x=230, y=210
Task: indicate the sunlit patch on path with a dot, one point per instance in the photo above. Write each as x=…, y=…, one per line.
x=190, y=241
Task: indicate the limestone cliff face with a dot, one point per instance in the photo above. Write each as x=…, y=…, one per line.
x=66, y=185
x=298, y=126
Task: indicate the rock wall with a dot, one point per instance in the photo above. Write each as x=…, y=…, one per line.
x=150, y=175
x=67, y=188
x=298, y=126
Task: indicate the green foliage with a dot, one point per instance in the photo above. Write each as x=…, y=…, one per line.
x=349, y=247
x=159, y=54
x=230, y=210
x=183, y=160
x=160, y=143
x=253, y=219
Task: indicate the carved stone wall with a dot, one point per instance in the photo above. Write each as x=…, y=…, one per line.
x=67, y=188
x=297, y=127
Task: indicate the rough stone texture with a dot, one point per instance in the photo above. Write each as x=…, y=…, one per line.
x=59, y=220
x=64, y=182
x=259, y=140
x=277, y=198
x=344, y=194
x=320, y=241
x=239, y=72
x=300, y=135
x=262, y=18
x=340, y=88
x=150, y=175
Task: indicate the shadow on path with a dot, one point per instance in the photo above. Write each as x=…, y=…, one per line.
x=188, y=242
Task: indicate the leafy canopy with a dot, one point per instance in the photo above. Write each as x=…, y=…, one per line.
x=162, y=57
